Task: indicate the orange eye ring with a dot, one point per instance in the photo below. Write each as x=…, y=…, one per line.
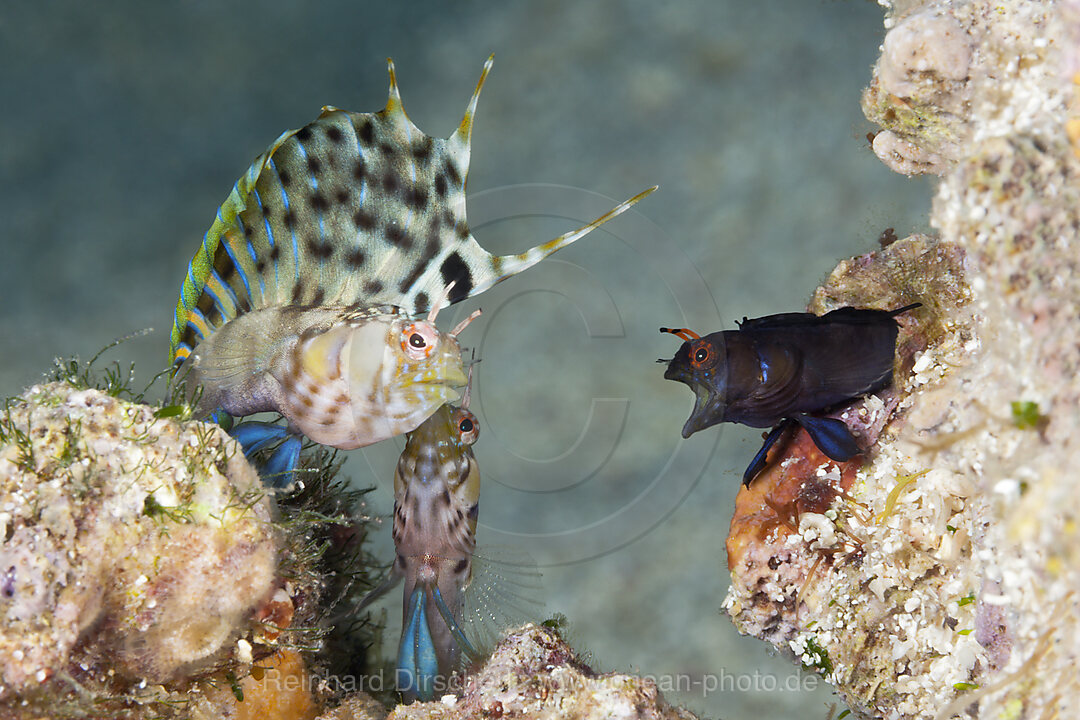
x=701, y=354
x=419, y=340
x=466, y=425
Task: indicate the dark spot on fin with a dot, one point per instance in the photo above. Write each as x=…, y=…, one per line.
x=397, y=237
x=452, y=174
x=223, y=265
x=321, y=250
x=364, y=220
x=454, y=270
x=416, y=198
x=355, y=259
x=366, y=132
x=422, y=150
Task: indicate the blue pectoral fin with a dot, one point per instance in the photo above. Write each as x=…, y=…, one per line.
x=279, y=472
x=455, y=629
x=831, y=436
x=280, y=469
x=758, y=463
x=254, y=436
x=417, y=664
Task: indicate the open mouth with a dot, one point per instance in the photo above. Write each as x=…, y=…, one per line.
x=708, y=410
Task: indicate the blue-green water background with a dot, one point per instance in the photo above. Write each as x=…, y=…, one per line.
x=124, y=125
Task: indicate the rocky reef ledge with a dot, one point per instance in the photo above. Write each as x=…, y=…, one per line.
x=145, y=572
x=941, y=578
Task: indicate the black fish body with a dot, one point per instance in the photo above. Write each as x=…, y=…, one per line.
x=787, y=366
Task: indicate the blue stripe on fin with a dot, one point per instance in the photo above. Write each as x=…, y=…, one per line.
x=236, y=265
x=269, y=236
x=214, y=277
x=292, y=231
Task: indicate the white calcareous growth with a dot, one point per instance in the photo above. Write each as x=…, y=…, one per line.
x=922, y=49
x=141, y=542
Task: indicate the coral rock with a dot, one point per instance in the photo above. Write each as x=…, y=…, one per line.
x=920, y=90
x=947, y=584
x=533, y=674
x=133, y=547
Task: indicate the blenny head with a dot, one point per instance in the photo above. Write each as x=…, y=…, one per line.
x=700, y=365
x=422, y=366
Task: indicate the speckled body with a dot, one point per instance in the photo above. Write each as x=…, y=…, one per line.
x=352, y=211
x=344, y=377
x=436, y=505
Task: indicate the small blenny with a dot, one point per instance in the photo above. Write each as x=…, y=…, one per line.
x=436, y=505
x=457, y=602
x=775, y=371
x=331, y=241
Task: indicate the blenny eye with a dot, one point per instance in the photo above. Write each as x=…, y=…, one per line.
x=419, y=340
x=467, y=426
x=701, y=354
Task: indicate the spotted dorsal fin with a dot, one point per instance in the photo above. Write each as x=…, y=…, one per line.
x=351, y=209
